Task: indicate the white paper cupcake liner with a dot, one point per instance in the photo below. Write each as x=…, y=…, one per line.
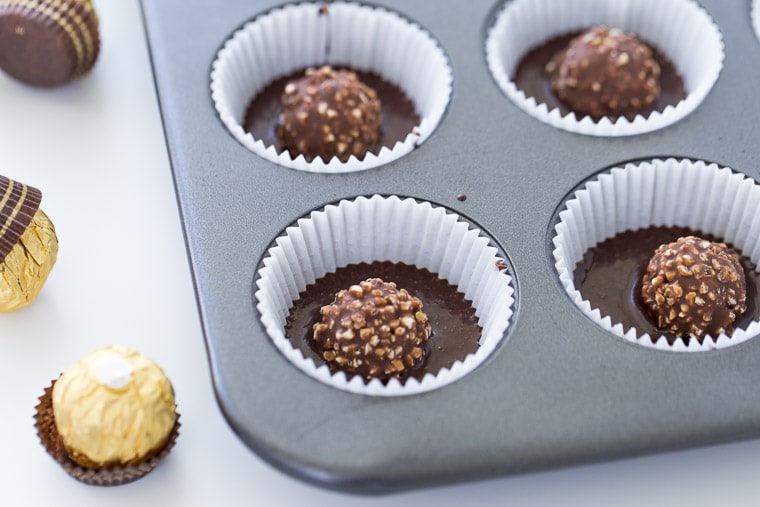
x=652, y=194
x=385, y=229
x=364, y=38
x=681, y=29
x=755, y=14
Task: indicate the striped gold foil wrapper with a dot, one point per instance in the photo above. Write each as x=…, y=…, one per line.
x=28, y=245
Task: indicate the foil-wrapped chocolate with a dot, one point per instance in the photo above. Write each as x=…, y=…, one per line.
x=113, y=407
x=28, y=245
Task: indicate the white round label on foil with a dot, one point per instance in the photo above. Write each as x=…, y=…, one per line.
x=113, y=371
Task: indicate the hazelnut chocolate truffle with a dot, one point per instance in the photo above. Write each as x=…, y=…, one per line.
x=373, y=330
x=694, y=287
x=605, y=72
x=113, y=407
x=28, y=245
x=48, y=42
x=329, y=113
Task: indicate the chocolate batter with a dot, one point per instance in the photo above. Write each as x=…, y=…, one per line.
x=399, y=115
x=455, y=331
x=531, y=78
x=610, y=276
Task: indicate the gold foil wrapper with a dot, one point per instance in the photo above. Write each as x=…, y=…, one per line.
x=28, y=264
x=113, y=407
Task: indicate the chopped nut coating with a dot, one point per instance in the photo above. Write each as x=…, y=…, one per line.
x=373, y=330
x=704, y=294
x=605, y=72
x=329, y=113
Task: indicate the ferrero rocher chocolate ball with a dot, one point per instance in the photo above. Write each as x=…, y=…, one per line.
x=373, y=330
x=28, y=245
x=113, y=407
x=605, y=72
x=694, y=287
x=329, y=113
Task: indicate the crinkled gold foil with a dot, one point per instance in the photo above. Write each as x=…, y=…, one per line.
x=113, y=407
x=28, y=264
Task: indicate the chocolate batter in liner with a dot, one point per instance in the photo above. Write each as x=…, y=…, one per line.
x=523, y=25
x=358, y=37
x=399, y=116
x=455, y=332
x=345, y=243
x=610, y=275
x=531, y=78
x=646, y=197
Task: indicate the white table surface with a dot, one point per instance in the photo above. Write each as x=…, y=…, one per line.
x=96, y=149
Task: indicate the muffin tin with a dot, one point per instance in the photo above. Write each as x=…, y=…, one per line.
x=559, y=390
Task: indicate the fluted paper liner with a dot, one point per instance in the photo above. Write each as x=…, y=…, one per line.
x=44, y=421
x=652, y=194
x=77, y=20
x=82, y=16
x=18, y=204
x=681, y=29
x=755, y=13
x=385, y=229
x=360, y=37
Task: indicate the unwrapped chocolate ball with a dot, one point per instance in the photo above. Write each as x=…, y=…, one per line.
x=113, y=407
x=329, y=113
x=373, y=330
x=694, y=287
x=605, y=72
x=28, y=245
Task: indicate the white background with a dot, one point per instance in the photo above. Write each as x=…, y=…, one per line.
x=96, y=150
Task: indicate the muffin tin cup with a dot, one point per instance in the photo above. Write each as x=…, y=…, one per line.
x=363, y=38
x=385, y=229
x=681, y=29
x=721, y=202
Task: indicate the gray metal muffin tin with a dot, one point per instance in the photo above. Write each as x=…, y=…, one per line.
x=561, y=390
